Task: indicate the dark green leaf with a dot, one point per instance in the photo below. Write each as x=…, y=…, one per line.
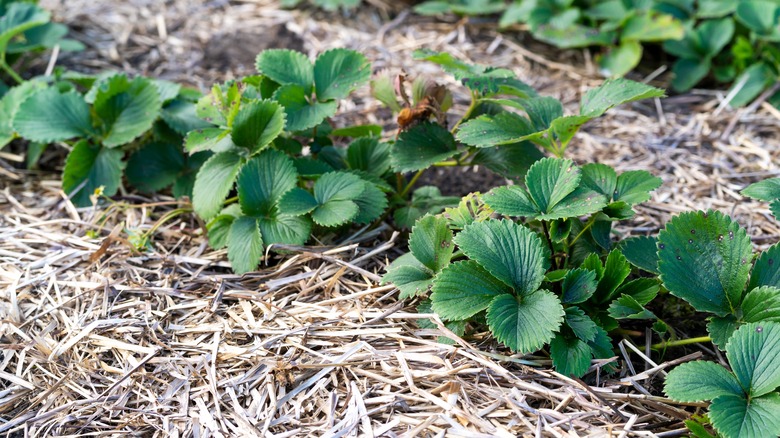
x=620, y=59
x=301, y=113
x=765, y=271
x=614, y=92
x=511, y=201
x=526, y=323
x=431, y=243
x=753, y=352
x=155, y=166
x=286, y=67
x=733, y=416
x=487, y=131
x=127, y=108
x=721, y=329
x=262, y=182
x=704, y=258
x=578, y=286
x=700, y=381
x=511, y=252
x=642, y=252
x=88, y=168
x=48, y=116
x=257, y=124
x=571, y=357
x=245, y=245
x=510, y=161
x=761, y=304
x=213, y=183
x=464, y=289
x=338, y=72
x=689, y=72
x=579, y=323
x=421, y=146
x=208, y=139
x=369, y=155
x=286, y=230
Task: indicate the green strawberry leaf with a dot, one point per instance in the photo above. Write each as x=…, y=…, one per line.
x=47, y=116
x=339, y=72
x=689, y=72
x=213, y=183
x=616, y=270
x=652, y=27
x=464, y=289
x=753, y=352
x=761, y=304
x=571, y=357
x=409, y=276
x=699, y=381
x=283, y=229
x=208, y=139
x=301, y=113
x=257, y=124
x=734, y=416
x=500, y=129
x=766, y=190
x=245, y=245
x=578, y=285
x=721, y=328
x=620, y=60
x=88, y=168
x=371, y=204
x=18, y=18
x=511, y=252
x=180, y=116
x=126, y=108
x=369, y=155
x=579, y=323
x=634, y=187
x=627, y=307
x=421, y=146
x=511, y=201
x=642, y=252
x=431, y=243
x=614, y=92
x=155, y=166
x=765, y=272
x=262, y=182
x=758, y=16
x=704, y=258
x=286, y=67
x=335, y=193
x=510, y=161
x=525, y=323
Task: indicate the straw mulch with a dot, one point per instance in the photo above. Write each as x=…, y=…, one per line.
x=101, y=338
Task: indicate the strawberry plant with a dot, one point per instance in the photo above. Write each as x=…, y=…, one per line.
x=538, y=278
x=745, y=401
x=731, y=42
x=117, y=115
x=26, y=28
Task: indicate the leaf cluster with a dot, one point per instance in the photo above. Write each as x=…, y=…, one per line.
x=538, y=274
x=728, y=41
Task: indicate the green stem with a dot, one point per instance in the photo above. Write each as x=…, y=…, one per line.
x=680, y=342
x=411, y=183
x=9, y=70
x=472, y=106
x=168, y=216
x=550, y=244
x=590, y=223
x=446, y=164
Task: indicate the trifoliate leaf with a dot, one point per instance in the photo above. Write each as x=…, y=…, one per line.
x=286, y=67
x=464, y=289
x=213, y=183
x=753, y=352
x=155, y=166
x=765, y=271
x=431, y=243
x=88, y=168
x=511, y=252
x=578, y=285
x=421, y=146
x=571, y=357
x=579, y=323
x=699, y=381
x=634, y=187
x=614, y=92
x=704, y=258
x=642, y=252
x=126, y=108
x=734, y=416
x=257, y=124
x=263, y=180
x=48, y=116
x=335, y=193
x=302, y=114
x=208, y=139
x=500, y=129
x=525, y=323
x=245, y=245
x=339, y=72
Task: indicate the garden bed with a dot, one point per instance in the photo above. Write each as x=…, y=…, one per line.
x=102, y=339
